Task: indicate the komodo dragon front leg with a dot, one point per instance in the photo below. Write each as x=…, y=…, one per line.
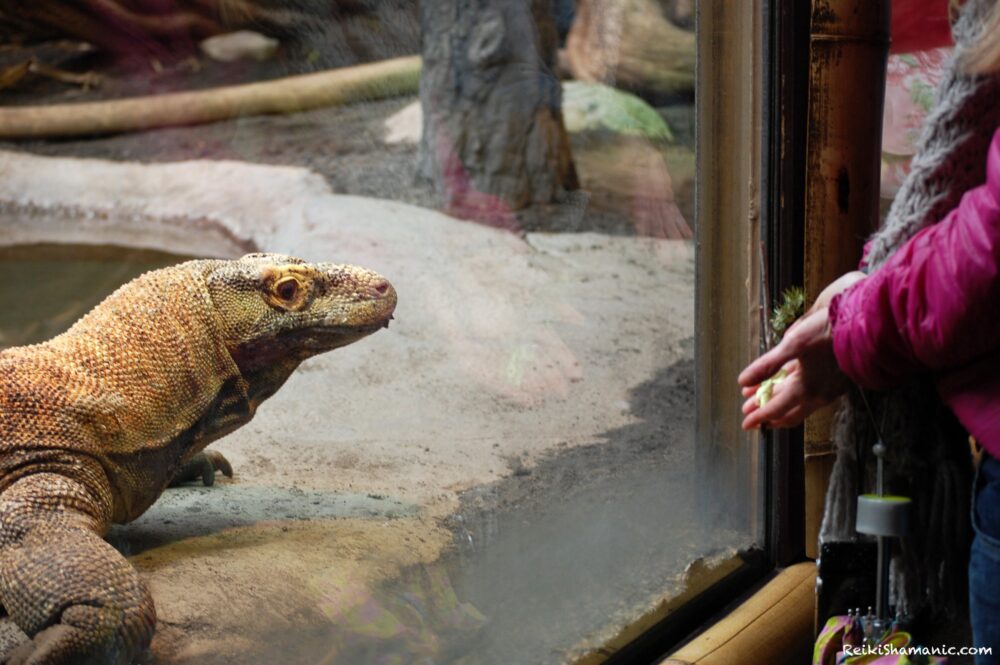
x=203, y=467
x=97, y=422
x=62, y=583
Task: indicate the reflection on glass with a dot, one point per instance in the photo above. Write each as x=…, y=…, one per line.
x=507, y=474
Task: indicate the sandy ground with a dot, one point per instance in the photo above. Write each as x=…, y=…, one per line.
x=373, y=462
x=520, y=325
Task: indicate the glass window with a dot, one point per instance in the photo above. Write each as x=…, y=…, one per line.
x=539, y=459
x=911, y=79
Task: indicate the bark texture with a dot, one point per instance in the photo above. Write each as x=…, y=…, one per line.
x=493, y=138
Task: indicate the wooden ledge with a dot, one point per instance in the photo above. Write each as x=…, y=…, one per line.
x=773, y=626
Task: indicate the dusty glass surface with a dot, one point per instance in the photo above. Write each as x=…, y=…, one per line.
x=506, y=474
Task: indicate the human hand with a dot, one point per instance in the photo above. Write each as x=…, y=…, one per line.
x=806, y=353
x=838, y=285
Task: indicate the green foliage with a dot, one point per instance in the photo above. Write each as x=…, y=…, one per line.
x=791, y=307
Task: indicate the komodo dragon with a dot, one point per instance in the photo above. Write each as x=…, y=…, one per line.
x=96, y=422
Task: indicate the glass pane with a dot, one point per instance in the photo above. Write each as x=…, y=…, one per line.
x=911, y=79
x=507, y=474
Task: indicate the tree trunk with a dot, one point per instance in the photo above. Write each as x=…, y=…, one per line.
x=493, y=138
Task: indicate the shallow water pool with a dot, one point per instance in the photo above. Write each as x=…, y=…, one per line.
x=47, y=287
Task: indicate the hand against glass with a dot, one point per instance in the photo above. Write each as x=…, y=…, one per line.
x=806, y=353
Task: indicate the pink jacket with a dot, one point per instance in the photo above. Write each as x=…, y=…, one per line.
x=934, y=308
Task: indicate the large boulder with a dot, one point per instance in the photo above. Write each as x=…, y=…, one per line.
x=645, y=46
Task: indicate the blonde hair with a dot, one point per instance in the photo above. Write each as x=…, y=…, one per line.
x=983, y=57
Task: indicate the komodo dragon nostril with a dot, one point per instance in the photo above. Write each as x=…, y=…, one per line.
x=382, y=286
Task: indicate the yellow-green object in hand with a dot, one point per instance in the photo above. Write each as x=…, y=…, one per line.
x=766, y=387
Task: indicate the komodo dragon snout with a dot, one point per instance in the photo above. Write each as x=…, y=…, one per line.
x=271, y=295
x=277, y=308
x=97, y=422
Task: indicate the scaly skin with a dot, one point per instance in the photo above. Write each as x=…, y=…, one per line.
x=96, y=422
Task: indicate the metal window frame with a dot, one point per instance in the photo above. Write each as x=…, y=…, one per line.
x=751, y=132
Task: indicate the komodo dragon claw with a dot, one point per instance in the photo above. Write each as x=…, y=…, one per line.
x=203, y=465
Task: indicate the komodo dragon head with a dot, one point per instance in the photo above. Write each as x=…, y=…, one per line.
x=278, y=310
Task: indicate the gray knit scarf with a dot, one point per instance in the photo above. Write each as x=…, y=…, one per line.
x=928, y=458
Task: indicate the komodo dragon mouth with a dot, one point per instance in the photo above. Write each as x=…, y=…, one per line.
x=326, y=337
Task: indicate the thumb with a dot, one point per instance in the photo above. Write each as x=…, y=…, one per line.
x=796, y=341
x=769, y=363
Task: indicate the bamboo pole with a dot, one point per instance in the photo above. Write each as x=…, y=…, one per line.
x=377, y=80
x=849, y=45
x=773, y=626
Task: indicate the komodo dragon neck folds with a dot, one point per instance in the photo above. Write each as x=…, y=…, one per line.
x=95, y=423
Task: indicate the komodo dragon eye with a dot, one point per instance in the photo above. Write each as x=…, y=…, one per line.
x=287, y=289
x=283, y=290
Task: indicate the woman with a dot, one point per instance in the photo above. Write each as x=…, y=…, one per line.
x=931, y=309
